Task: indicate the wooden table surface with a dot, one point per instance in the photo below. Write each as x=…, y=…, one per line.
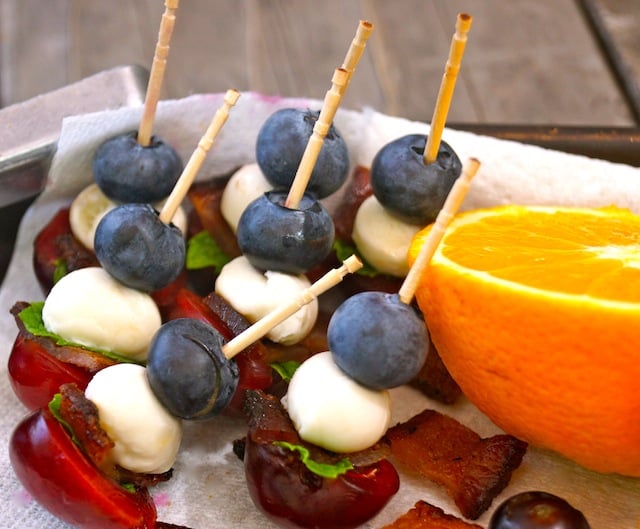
x=526, y=61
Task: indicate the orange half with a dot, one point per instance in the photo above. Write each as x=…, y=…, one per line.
x=536, y=314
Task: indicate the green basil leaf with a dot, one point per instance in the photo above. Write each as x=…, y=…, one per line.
x=286, y=369
x=60, y=270
x=203, y=252
x=344, y=250
x=31, y=317
x=321, y=469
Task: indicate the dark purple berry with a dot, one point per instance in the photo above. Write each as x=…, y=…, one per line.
x=126, y=171
x=537, y=510
x=274, y=237
x=378, y=340
x=138, y=249
x=188, y=371
x=281, y=143
x=407, y=187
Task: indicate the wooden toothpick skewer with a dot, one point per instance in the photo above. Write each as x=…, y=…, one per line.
x=358, y=44
x=312, y=151
x=264, y=325
x=197, y=158
x=157, y=72
x=450, y=208
x=339, y=83
x=458, y=43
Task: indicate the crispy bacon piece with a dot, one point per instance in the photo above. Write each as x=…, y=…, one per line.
x=205, y=198
x=435, y=381
x=473, y=470
x=357, y=191
x=81, y=415
x=423, y=515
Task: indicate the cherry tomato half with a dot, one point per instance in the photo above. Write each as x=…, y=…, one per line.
x=61, y=479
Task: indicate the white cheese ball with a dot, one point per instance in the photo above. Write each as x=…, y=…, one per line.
x=331, y=410
x=382, y=239
x=244, y=186
x=255, y=294
x=91, y=308
x=146, y=436
x=86, y=212
x=91, y=204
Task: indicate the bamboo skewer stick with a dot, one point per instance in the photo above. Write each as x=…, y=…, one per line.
x=265, y=324
x=449, y=209
x=447, y=86
x=358, y=44
x=320, y=129
x=340, y=82
x=156, y=75
x=197, y=158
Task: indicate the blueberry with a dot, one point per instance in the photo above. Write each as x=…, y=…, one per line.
x=378, y=340
x=406, y=186
x=138, y=249
x=188, y=371
x=292, y=241
x=281, y=142
x=537, y=510
x=126, y=171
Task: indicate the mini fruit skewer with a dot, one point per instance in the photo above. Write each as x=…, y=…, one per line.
x=410, y=178
x=355, y=413
x=377, y=341
x=364, y=354
x=284, y=148
x=141, y=248
x=294, y=232
x=140, y=167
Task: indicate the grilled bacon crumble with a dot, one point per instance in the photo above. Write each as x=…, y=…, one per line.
x=473, y=470
x=423, y=515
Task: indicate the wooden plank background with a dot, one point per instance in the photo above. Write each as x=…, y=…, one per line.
x=527, y=61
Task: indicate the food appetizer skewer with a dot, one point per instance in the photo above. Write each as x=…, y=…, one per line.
x=136, y=166
x=410, y=179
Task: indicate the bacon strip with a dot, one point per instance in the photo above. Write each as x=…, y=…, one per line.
x=435, y=381
x=206, y=197
x=423, y=515
x=473, y=470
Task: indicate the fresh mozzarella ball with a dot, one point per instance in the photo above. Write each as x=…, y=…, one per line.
x=86, y=211
x=146, y=436
x=333, y=411
x=179, y=219
x=255, y=294
x=91, y=308
x=91, y=204
x=382, y=239
x=244, y=186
